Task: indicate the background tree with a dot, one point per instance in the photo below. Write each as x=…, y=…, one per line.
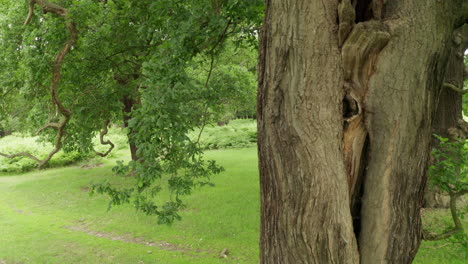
x=450, y=104
x=347, y=95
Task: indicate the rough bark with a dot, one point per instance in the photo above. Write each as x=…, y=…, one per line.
x=347, y=95
x=305, y=214
x=449, y=109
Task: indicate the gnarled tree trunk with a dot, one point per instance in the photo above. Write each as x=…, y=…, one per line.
x=347, y=95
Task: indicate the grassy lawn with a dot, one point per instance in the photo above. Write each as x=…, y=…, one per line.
x=48, y=217
x=442, y=251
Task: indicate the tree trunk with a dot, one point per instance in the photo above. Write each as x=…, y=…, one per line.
x=347, y=93
x=128, y=105
x=449, y=108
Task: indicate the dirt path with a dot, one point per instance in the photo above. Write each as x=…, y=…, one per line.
x=127, y=238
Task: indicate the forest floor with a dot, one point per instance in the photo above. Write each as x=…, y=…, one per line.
x=47, y=216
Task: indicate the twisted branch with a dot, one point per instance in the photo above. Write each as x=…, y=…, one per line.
x=105, y=142
x=20, y=154
x=49, y=125
x=57, y=65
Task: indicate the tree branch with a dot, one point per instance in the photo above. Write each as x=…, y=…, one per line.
x=105, y=142
x=454, y=88
x=57, y=66
x=48, y=125
x=20, y=154
x=205, y=112
x=30, y=12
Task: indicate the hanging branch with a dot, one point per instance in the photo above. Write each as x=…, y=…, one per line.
x=222, y=37
x=48, y=7
x=105, y=142
x=205, y=112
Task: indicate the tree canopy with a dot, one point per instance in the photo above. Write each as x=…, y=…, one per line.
x=69, y=68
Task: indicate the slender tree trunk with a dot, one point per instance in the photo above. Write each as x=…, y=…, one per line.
x=347, y=95
x=129, y=103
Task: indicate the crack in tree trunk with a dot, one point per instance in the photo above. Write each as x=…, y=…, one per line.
x=56, y=68
x=359, y=54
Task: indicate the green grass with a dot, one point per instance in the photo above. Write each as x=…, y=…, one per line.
x=442, y=251
x=40, y=209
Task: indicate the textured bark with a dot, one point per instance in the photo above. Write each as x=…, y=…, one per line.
x=305, y=204
x=347, y=95
x=449, y=109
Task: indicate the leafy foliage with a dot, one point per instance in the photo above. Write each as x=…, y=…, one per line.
x=450, y=169
x=165, y=57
